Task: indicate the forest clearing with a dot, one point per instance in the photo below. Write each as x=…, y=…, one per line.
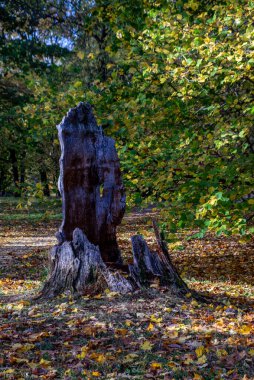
x=126, y=189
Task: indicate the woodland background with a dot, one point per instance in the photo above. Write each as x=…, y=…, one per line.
x=171, y=81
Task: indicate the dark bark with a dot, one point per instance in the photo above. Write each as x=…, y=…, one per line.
x=2, y=181
x=44, y=181
x=90, y=182
x=149, y=266
x=15, y=171
x=22, y=168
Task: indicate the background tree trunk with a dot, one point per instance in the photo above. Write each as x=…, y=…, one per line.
x=44, y=181
x=15, y=171
x=22, y=168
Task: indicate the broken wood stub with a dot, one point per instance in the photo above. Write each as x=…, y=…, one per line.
x=90, y=182
x=149, y=266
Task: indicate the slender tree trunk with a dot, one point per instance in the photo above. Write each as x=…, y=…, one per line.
x=44, y=181
x=2, y=179
x=22, y=168
x=15, y=171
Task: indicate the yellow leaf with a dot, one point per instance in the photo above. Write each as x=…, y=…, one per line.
x=80, y=54
x=202, y=359
x=200, y=351
x=83, y=353
x=78, y=84
x=96, y=374
x=146, y=346
x=172, y=365
x=221, y=353
x=32, y=365
x=163, y=80
x=122, y=332
x=172, y=334
x=22, y=347
x=154, y=319
x=10, y=370
x=26, y=302
x=130, y=358
x=99, y=358
x=144, y=232
x=13, y=360
x=251, y=352
x=44, y=363
x=188, y=360
x=155, y=365
x=197, y=377
x=16, y=346
x=38, y=336
x=150, y=327
x=245, y=330
x=112, y=294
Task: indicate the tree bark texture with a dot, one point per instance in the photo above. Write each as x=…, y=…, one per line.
x=77, y=266
x=90, y=182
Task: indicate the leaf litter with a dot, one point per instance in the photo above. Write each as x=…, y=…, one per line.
x=150, y=334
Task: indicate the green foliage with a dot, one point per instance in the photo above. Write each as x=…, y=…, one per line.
x=172, y=81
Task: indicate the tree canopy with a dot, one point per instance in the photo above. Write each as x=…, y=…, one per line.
x=172, y=81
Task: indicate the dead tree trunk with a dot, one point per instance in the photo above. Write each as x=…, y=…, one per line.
x=93, y=205
x=90, y=182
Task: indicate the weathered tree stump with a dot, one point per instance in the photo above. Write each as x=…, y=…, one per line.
x=78, y=266
x=93, y=205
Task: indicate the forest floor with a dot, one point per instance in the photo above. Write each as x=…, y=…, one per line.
x=148, y=335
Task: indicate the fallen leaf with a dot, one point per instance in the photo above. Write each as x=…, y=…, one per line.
x=202, y=359
x=150, y=327
x=130, y=358
x=155, y=365
x=96, y=374
x=200, y=351
x=146, y=346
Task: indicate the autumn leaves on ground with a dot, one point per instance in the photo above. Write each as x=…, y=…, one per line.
x=151, y=334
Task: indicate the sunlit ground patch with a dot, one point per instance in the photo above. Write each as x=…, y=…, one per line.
x=10, y=286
